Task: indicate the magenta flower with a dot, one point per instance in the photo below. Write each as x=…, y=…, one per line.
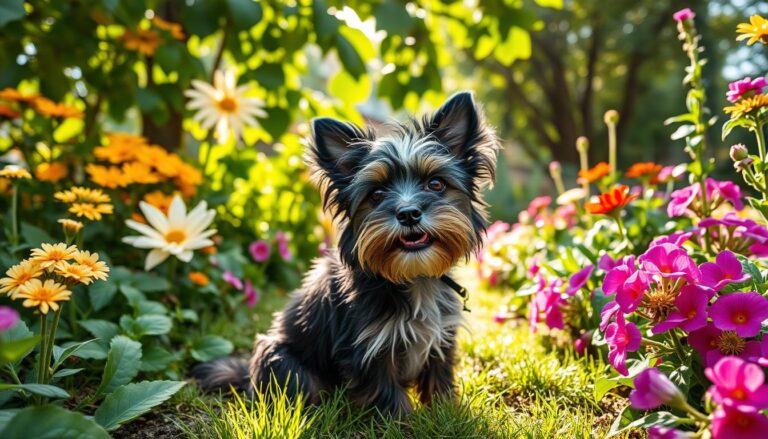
x=690, y=313
x=714, y=344
x=259, y=250
x=581, y=343
x=606, y=263
x=233, y=280
x=631, y=293
x=670, y=261
x=654, y=389
x=282, y=246
x=659, y=432
x=501, y=317
x=616, y=277
x=622, y=337
x=495, y=230
x=609, y=310
x=547, y=301
x=579, y=279
x=251, y=294
x=725, y=270
x=683, y=15
x=737, y=382
x=745, y=88
x=8, y=318
x=740, y=312
x=738, y=422
x=728, y=190
x=677, y=238
x=681, y=199
x=537, y=204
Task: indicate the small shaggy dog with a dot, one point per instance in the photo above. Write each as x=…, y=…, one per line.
x=380, y=314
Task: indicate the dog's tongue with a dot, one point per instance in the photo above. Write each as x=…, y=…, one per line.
x=414, y=239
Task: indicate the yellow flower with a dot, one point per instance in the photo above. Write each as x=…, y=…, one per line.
x=76, y=272
x=70, y=226
x=747, y=105
x=756, y=30
x=173, y=28
x=49, y=255
x=111, y=177
x=188, y=178
x=65, y=196
x=90, y=195
x=91, y=211
x=117, y=152
x=98, y=268
x=52, y=172
x=43, y=295
x=141, y=40
x=18, y=275
x=47, y=107
x=198, y=278
x=13, y=95
x=15, y=172
x=159, y=200
x=139, y=173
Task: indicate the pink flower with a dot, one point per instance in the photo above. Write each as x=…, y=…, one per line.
x=251, y=294
x=714, y=344
x=8, y=318
x=725, y=270
x=618, y=275
x=740, y=312
x=282, y=246
x=622, y=337
x=670, y=261
x=609, y=310
x=690, y=313
x=546, y=301
x=581, y=343
x=738, y=422
x=259, y=250
x=233, y=280
x=579, y=279
x=745, y=88
x=737, y=382
x=501, y=316
x=677, y=238
x=683, y=15
x=606, y=263
x=659, y=432
x=728, y=190
x=654, y=389
x=681, y=199
x=495, y=230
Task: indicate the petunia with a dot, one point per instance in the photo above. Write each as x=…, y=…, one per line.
x=654, y=389
x=714, y=344
x=631, y=293
x=738, y=422
x=251, y=294
x=725, y=270
x=683, y=15
x=690, y=313
x=622, y=337
x=676, y=238
x=579, y=279
x=740, y=312
x=736, y=382
x=606, y=263
x=282, y=246
x=609, y=310
x=259, y=250
x=660, y=432
x=8, y=318
x=670, y=261
x=745, y=87
x=233, y=280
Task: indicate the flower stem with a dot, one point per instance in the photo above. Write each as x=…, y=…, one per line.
x=41, y=366
x=699, y=416
x=678, y=345
x=171, y=272
x=761, y=151
x=15, y=217
x=52, y=340
x=612, y=150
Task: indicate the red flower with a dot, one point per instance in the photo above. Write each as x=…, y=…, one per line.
x=592, y=175
x=615, y=198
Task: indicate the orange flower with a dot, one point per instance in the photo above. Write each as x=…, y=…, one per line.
x=608, y=202
x=594, y=174
x=173, y=28
x=141, y=40
x=198, y=278
x=47, y=107
x=132, y=139
x=139, y=173
x=8, y=112
x=111, y=177
x=643, y=170
x=159, y=200
x=52, y=172
x=13, y=95
x=188, y=178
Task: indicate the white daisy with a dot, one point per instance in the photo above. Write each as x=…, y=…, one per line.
x=178, y=234
x=224, y=105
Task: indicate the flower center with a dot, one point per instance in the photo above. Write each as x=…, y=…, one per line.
x=691, y=313
x=730, y=343
x=739, y=317
x=227, y=104
x=176, y=236
x=739, y=394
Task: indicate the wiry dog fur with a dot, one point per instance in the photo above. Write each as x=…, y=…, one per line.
x=374, y=316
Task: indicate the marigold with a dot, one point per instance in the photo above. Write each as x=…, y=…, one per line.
x=47, y=107
x=49, y=255
x=159, y=200
x=117, y=152
x=15, y=172
x=8, y=112
x=13, y=95
x=644, y=170
x=173, y=28
x=43, y=295
x=756, y=30
x=99, y=269
x=594, y=174
x=747, y=105
x=70, y=226
x=126, y=138
x=51, y=172
x=608, y=202
x=198, y=278
x=139, y=173
x=76, y=272
x=18, y=275
x=91, y=211
x=188, y=178
x=110, y=177
x=141, y=40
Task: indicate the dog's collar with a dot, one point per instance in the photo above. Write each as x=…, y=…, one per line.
x=461, y=291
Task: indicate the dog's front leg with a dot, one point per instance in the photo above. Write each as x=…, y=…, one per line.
x=436, y=379
x=376, y=384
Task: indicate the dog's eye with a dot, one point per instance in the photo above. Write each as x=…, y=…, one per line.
x=376, y=196
x=436, y=185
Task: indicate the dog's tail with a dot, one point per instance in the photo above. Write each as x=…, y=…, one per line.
x=221, y=374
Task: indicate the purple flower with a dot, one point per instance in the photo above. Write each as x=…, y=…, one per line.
x=738, y=422
x=654, y=389
x=670, y=261
x=609, y=310
x=681, y=199
x=622, y=337
x=690, y=313
x=259, y=250
x=737, y=382
x=606, y=263
x=744, y=88
x=728, y=190
x=546, y=301
x=677, y=238
x=579, y=279
x=714, y=344
x=251, y=294
x=8, y=318
x=725, y=270
x=580, y=344
x=233, y=280
x=683, y=15
x=627, y=283
x=659, y=432
x=740, y=312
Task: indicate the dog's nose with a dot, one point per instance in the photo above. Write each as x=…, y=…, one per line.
x=408, y=216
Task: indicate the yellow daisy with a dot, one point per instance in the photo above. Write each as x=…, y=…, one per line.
x=70, y=226
x=15, y=172
x=48, y=255
x=747, y=105
x=91, y=211
x=18, y=275
x=98, y=268
x=76, y=272
x=90, y=195
x=756, y=30
x=43, y=295
x=51, y=172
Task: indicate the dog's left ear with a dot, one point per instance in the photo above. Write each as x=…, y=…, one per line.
x=460, y=125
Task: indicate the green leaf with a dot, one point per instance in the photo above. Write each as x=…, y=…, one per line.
x=34, y=236
x=604, y=385
x=61, y=373
x=103, y=330
x=349, y=57
x=12, y=351
x=149, y=283
x=393, y=18
x=154, y=358
x=101, y=293
x=152, y=324
x=664, y=419
x=38, y=389
x=133, y=400
x=210, y=347
x=60, y=355
x=244, y=14
x=123, y=362
x=51, y=422
x=11, y=10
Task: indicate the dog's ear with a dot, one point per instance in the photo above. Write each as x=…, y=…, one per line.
x=460, y=125
x=337, y=147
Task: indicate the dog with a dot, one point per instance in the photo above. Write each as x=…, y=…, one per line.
x=379, y=314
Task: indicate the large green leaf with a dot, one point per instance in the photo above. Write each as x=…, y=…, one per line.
x=103, y=330
x=152, y=324
x=61, y=354
x=626, y=421
x=209, y=347
x=11, y=10
x=101, y=293
x=132, y=400
x=244, y=14
x=123, y=362
x=12, y=351
x=38, y=389
x=51, y=422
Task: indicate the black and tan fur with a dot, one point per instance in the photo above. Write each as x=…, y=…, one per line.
x=374, y=317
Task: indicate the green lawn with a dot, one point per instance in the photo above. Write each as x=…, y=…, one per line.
x=510, y=386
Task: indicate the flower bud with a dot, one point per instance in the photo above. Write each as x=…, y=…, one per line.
x=743, y=164
x=554, y=168
x=582, y=144
x=611, y=117
x=739, y=152
x=653, y=389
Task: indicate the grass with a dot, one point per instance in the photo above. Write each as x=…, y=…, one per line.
x=510, y=385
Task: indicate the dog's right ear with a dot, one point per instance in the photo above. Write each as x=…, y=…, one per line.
x=337, y=148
